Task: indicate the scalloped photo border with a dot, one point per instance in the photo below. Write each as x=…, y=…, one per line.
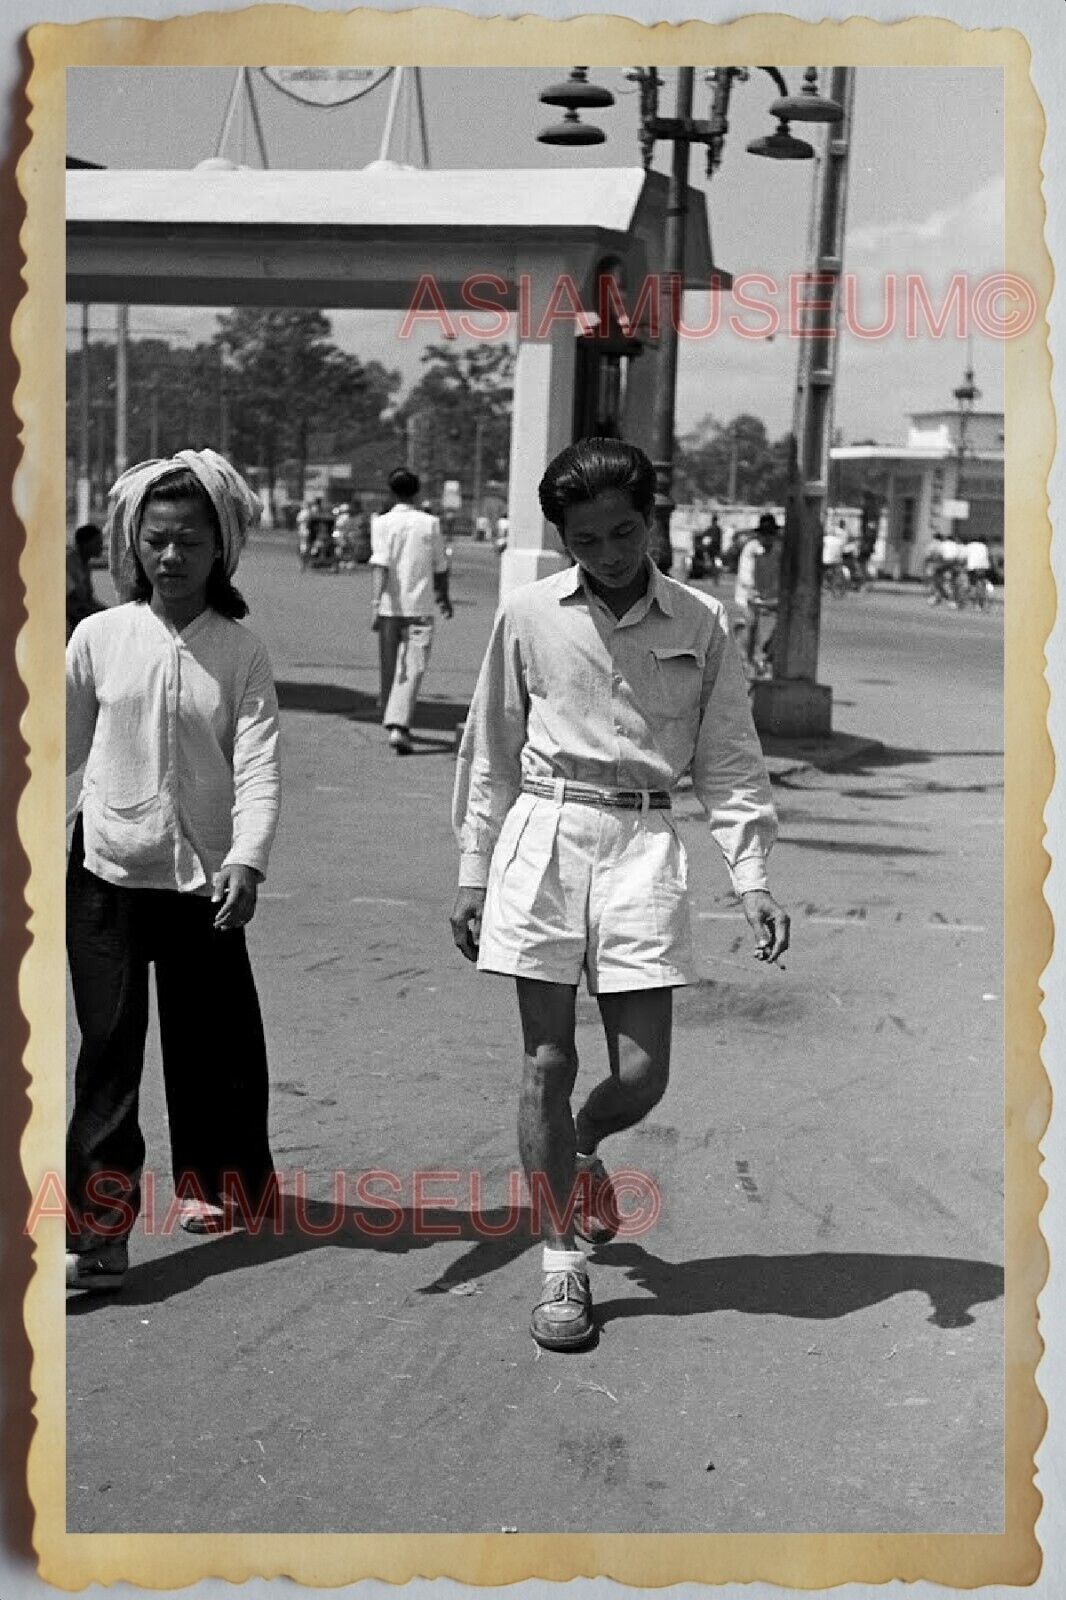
x=32, y=665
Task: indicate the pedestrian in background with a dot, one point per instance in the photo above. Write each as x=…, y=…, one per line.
x=172, y=708
x=81, y=599
x=601, y=686
x=410, y=570
x=756, y=591
x=833, y=542
x=978, y=561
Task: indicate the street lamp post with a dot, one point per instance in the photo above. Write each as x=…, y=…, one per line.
x=682, y=130
x=666, y=368
x=792, y=703
x=965, y=395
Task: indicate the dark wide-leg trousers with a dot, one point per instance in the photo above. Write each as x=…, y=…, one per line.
x=213, y=1047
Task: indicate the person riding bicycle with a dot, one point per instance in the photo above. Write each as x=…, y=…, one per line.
x=978, y=566
x=854, y=566
x=941, y=565
x=833, y=543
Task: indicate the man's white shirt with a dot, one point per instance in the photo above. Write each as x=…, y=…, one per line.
x=408, y=545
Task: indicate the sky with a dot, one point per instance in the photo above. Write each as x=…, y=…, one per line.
x=925, y=195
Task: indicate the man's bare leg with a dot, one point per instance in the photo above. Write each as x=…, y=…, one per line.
x=545, y=1122
x=638, y=1026
x=562, y=1318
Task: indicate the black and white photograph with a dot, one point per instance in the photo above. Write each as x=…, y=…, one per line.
x=536, y=579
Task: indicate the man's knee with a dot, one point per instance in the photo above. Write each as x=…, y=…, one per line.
x=549, y=1070
x=647, y=1080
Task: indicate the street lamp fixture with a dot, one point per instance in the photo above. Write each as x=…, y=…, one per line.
x=808, y=105
x=781, y=146
x=575, y=95
x=682, y=130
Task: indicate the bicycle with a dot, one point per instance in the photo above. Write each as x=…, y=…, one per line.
x=835, y=580
x=974, y=589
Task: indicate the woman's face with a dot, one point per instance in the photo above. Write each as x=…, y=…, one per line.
x=177, y=548
x=608, y=538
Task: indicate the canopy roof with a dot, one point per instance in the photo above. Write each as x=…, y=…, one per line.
x=221, y=234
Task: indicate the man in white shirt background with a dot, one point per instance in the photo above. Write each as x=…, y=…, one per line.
x=833, y=547
x=410, y=567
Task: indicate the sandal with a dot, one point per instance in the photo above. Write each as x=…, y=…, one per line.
x=598, y=1220
x=562, y=1320
x=99, y=1270
x=200, y=1216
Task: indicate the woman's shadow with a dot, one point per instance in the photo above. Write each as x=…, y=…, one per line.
x=296, y=1225
x=822, y=1285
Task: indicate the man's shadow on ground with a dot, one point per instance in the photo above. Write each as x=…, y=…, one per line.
x=822, y=1286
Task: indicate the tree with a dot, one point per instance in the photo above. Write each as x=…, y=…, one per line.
x=173, y=402
x=734, y=461
x=461, y=392
x=286, y=377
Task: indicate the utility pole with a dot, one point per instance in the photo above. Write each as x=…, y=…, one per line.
x=671, y=290
x=122, y=336
x=83, y=488
x=223, y=401
x=792, y=703
x=479, y=431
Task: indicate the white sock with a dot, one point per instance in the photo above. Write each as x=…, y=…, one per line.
x=554, y=1260
x=579, y=1155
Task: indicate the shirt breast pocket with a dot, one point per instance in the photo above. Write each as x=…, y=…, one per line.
x=676, y=681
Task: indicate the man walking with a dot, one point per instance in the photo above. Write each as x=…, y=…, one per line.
x=410, y=569
x=755, y=594
x=602, y=685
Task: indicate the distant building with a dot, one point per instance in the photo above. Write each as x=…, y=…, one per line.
x=929, y=485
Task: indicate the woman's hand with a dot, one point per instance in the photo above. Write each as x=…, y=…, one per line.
x=236, y=887
x=769, y=922
x=466, y=920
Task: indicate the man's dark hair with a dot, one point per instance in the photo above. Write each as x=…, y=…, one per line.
x=404, y=483
x=89, y=533
x=222, y=596
x=592, y=467
x=768, y=523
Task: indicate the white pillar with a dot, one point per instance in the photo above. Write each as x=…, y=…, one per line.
x=541, y=426
x=639, y=401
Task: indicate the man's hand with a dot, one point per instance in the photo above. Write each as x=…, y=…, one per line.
x=236, y=887
x=466, y=920
x=769, y=923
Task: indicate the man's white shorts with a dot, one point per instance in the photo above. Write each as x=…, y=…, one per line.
x=576, y=888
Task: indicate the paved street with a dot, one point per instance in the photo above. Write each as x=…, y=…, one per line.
x=810, y=1337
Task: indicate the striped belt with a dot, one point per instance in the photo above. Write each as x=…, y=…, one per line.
x=587, y=794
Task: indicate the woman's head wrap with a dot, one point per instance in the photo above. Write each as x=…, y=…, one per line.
x=237, y=508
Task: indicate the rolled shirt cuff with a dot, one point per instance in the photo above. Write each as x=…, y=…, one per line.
x=474, y=869
x=749, y=873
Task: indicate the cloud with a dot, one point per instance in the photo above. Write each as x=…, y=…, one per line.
x=964, y=237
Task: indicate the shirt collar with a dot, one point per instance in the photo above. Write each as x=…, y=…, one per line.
x=573, y=584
